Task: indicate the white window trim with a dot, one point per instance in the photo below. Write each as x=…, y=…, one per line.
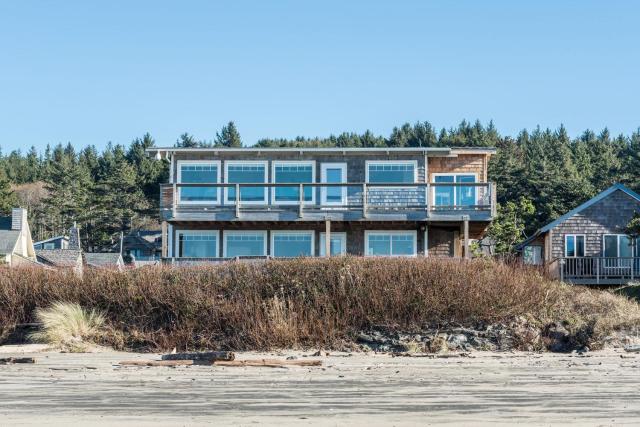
x=276, y=163
x=343, y=238
x=228, y=163
x=217, y=163
x=368, y=233
x=240, y=233
x=291, y=232
x=584, y=248
x=323, y=179
x=391, y=162
x=197, y=232
x=455, y=193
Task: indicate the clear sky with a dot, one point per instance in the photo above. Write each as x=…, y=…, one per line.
x=86, y=73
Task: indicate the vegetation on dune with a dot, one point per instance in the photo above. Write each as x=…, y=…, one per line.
x=311, y=302
x=67, y=326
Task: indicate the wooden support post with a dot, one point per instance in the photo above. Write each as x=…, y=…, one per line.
x=428, y=200
x=174, y=200
x=237, y=200
x=327, y=238
x=164, y=237
x=300, y=201
x=364, y=200
x=465, y=226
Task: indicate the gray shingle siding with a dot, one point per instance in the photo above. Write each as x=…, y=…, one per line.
x=608, y=216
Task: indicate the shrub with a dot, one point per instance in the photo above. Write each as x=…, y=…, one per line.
x=310, y=302
x=67, y=326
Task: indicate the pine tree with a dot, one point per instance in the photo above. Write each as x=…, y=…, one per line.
x=228, y=136
x=8, y=199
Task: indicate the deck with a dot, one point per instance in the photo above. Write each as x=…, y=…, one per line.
x=599, y=270
x=337, y=202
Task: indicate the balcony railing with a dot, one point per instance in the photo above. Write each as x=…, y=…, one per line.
x=599, y=270
x=179, y=200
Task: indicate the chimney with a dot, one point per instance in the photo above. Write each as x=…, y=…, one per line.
x=74, y=237
x=18, y=219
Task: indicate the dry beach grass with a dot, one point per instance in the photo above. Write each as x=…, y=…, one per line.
x=312, y=302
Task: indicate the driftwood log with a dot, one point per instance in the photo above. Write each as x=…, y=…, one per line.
x=156, y=362
x=6, y=360
x=206, y=356
x=273, y=363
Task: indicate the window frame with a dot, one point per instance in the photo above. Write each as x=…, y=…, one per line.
x=524, y=260
x=240, y=233
x=265, y=163
x=48, y=245
x=368, y=163
x=584, y=245
x=276, y=163
x=455, y=193
x=274, y=233
x=180, y=163
x=343, y=237
x=368, y=233
x=196, y=232
x=323, y=180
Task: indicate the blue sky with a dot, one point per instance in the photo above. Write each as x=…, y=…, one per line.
x=86, y=73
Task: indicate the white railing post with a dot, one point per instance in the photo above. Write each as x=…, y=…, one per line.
x=174, y=200
x=301, y=200
x=598, y=260
x=237, y=200
x=428, y=199
x=364, y=200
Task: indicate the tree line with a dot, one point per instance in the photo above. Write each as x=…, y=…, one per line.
x=540, y=175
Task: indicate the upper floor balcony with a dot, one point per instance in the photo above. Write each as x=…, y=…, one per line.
x=388, y=201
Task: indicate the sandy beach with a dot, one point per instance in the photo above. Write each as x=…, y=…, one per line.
x=598, y=388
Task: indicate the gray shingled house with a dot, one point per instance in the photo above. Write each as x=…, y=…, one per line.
x=588, y=245
x=16, y=246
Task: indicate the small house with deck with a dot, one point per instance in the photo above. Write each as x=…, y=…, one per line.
x=588, y=245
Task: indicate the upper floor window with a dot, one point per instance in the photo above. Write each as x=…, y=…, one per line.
x=391, y=171
x=293, y=172
x=199, y=172
x=454, y=195
x=574, y=245
x=240, y=172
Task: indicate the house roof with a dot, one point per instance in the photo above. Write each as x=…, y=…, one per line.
x=59, y=257
x=103, y=259
x=158, y=151
x=8, y=237
x=604, y=194
x=51, y=240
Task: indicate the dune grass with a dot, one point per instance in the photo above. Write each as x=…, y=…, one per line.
x=309, y=302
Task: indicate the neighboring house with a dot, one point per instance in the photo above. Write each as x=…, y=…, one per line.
x=61, y=258
x=141, y=245
x=16, y=246
x=223, y=203
x=587, y=245
x=58, y=242
x=104, y=260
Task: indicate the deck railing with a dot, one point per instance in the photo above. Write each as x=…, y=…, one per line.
x=599, y=270
x=365, y=197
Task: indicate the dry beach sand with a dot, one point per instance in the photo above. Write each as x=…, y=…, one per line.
x=598, y=388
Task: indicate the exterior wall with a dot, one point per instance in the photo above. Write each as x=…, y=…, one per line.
x=608, y=216
x=463, y=163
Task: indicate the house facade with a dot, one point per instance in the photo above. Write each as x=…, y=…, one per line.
x=58, y=242
x=16, y=245
x=588, y=245
x=223, y=203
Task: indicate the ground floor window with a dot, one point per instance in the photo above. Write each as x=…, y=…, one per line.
x=244, y=243
x=292, y=243
x=574, y=245
x=532, y=255
x=197, y=243
x=391, y=243
x=338, y=244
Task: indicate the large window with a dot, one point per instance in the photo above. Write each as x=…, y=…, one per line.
x=246, y=173
x=616, y=246
x=454, y=195
x=391, y=243
x=338, y=244
x=199, y=172
x=392, y=171
x=293, y=173
x=291, y=243
x=532, y=254
x=574, y=245
x=197, y=243
x=245, y=243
